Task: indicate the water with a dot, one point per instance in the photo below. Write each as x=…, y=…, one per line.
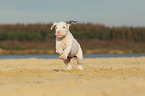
x=56, y=56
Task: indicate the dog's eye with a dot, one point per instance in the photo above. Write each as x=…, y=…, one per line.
x=63, y=27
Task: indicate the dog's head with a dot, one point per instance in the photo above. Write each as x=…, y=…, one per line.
x=61, y=28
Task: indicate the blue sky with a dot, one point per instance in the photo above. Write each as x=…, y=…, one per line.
x=107, y=12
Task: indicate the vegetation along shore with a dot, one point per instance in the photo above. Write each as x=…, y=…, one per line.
x=94, y=39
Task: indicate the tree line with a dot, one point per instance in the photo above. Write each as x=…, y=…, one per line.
x=94, y=38
x=41, y=32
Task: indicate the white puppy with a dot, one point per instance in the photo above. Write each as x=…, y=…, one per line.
x=66, y=45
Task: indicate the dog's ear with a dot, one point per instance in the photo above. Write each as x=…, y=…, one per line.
x=71, y=21
x=54, y=24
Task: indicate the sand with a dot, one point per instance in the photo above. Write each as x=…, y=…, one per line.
x=47, y=77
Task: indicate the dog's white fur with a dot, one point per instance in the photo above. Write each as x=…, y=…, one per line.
x=67, y=46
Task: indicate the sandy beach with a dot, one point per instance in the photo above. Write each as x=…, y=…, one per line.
x=47, y=77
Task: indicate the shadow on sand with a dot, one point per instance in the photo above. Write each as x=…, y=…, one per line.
x=59, y=70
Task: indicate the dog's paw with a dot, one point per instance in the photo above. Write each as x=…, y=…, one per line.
x=63, y=57
x=59, y=51
x=80, y=67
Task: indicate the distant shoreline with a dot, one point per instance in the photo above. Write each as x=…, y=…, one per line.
x=55, y=56
x=89, y=51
